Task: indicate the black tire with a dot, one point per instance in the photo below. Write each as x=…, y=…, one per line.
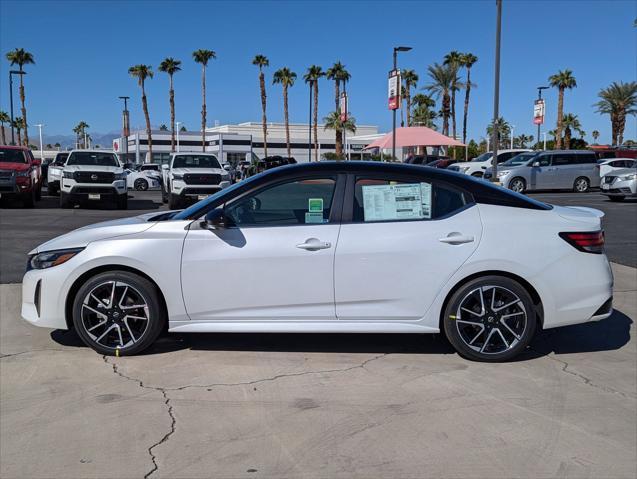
x=617, y=198
x=460, y=324
x=28, y=199
x=53, y=191
x=141, y=184
x=65, y=202
x=122, y=201
x=174, y=202
x=38, y=193
x=130, y=287
x=477, y=174
x=517, y=184
x=581, y=185
x=164, y=195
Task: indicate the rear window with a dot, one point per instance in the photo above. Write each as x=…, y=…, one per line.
x=574, y=159
x=92, y=159
x=9, y=155
x=196, y=161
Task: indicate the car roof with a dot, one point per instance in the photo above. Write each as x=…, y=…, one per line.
x=14, y=147
x=570, y=152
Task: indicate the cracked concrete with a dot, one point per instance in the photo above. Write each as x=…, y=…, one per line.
x=313, y=406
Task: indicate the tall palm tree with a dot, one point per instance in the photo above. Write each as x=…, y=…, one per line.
x=468, y=60
x=333, y=122
x=262, y=61
x=503, y=129
x=4, y=118
x=285, y=77
x=80, y=131
x=203, y=57
x=314, y=73
x=454, y=60
x=18, y=124
x=562, y=80
x=619, y=100
x=142, y=72
x=21, y=57
x=595, y=135
x=570, y=123
x=171, y=66
x=410, y=77
x=340, y=76
x=443, y=77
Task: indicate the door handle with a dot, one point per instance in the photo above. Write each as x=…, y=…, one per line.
x=313, y=244
x=457, y=238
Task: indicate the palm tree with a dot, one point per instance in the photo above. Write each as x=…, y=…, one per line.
x=619, y=100
x=571, y=122
x=203, y=56
x=454, y=60
x=286, y=78
x=443, y=78
x=312, y=77
x=423, y=115
x=80, y=132
x=339, y=75
x=262, y=61
x=333, y=122
x=468, y=59
x=21, y=57
x=503, y=129
x=18, y=124
x=562, y=80
x=4, y=118
x=171, y=66
x=595, y=135
x=410, y=77
x=163, y=127
x=142, y=72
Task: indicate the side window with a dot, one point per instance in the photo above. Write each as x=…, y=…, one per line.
x=505, y=156
x=544, y=160
x=562, y=160
x=396, y=200
x=299, y=202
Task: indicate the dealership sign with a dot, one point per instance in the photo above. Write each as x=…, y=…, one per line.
x=343, y=106
x=538, y=112
x=393, y=92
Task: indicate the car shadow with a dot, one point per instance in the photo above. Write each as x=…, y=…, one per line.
x=606, y=335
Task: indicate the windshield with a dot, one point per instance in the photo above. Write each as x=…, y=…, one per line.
x=196, y=161
x=483, y=157
x=518, y=160
x=92, y=159
x=9, y=155
x=60, y=158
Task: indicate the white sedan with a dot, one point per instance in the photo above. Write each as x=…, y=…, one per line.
x=350, y=247
x=143, y=180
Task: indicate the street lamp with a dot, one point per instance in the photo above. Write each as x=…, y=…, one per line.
x=496, y=95
x=178, y=123
x=393, y=134
x=539, y=97
x=40, y=125
x=512, y=128
x=125, y=127
x=11, y=73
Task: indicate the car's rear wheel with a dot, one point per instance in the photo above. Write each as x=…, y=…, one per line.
x=616, y=198
x=490, y=319
x=581, y=185
x=118, y=311
x=141, y=184
x=518, y=185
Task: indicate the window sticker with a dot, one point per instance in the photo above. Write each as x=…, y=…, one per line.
x=396, y=202
x=315, y=205
x=314, y=217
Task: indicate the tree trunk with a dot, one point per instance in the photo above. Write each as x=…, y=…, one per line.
x=613, y=125
x=408, y=109
x=567, y=138
x=453, y=117
x=316, y=92
x=264, y=120
x=339, y=143
x=287, y=121
x=337, y=94
x=560, y=118
x=172, y=115
x=24, y=111
x=621, y=125
x=4, y=137
x=147, y=116
x=18, y=130
x=203, y=108
x=445, y=114
x=466, y=110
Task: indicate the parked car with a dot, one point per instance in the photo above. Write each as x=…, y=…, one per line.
x=191, y=177
x=424, y=159
x=608, y=166
x=482, y=163
x=142, y=180
x=93, y=176
x=442, y=163
x=54, y=173
x=44, y=169
x=330, y=247
x=20, y=175
x=550, y=170
x=620, y=184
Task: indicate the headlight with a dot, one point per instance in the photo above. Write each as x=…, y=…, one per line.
x=503, y=173
x=629, y=177
x=23, y=173
x=177, y=176
x=68, y=174
x=120, y=176
x=48, y=259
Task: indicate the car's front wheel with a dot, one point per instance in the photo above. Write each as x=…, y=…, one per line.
x=518, y=185
x=491, y=318
x=118, y=311
x=141, y=184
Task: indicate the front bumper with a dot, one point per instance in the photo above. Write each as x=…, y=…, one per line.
x=43, y=297
x=619, y=188
x=194, y=191
x=82, y=191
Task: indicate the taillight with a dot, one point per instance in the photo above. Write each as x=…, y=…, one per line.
x=589, y=241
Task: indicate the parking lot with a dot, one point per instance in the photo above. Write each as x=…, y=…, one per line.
x=274, y=405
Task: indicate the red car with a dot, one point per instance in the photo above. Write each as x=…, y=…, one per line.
x=20, y=175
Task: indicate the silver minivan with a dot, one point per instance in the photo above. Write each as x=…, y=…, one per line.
x=575, y=170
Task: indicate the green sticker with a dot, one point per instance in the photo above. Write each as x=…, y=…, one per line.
x=314, y=217
x=315, y=205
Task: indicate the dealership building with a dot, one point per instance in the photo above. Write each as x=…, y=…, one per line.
x=244, y=141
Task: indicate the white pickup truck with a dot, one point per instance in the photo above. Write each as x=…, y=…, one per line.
x=54, y=173
x=191, y=177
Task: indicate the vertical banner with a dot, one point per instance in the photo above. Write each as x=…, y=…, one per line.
x=538, y=112
x=393, y=91
x=343, y=106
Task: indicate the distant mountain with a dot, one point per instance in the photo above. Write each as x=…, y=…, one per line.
x=105, y=140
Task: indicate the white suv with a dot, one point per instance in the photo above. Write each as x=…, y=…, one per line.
x=480, y=164
x=191, y=176
x=93, y=175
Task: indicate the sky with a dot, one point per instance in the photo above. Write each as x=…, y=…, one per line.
x=83, y=50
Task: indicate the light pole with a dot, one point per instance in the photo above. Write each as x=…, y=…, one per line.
x=177, y=123
x=11, y=73
x=40, y=125
x=125, y=127
x=512, y=128
x=496, y=95
x=393, y=134
x=539, y=97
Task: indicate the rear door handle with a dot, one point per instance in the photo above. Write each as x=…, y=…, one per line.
x=457, y=238
x=313, y=244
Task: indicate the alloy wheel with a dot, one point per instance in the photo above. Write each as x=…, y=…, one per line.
x=491, y=319
x=517, y=186
x=581, y=185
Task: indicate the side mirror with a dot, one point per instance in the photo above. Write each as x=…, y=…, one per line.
x=224, y=184
x=215, y=219
x=536, y=164
x=37, y=161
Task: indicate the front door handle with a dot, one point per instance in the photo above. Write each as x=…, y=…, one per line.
x=313, y=244
x=457, y=238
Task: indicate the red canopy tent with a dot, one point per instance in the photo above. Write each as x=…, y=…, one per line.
x=414, y=136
